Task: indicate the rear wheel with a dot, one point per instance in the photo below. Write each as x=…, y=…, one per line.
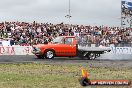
x=92, y=56
x=49, y=54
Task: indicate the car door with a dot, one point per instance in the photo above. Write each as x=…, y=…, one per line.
x=60, y=47
x=65, y=47
x=70, y=48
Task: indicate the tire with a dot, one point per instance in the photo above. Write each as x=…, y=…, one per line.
x=92, y=56
x=49, y=54
x=39, y=56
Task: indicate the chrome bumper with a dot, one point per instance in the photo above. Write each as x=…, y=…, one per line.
x=36, y=51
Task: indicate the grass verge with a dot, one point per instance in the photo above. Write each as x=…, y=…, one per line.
x=36, y=75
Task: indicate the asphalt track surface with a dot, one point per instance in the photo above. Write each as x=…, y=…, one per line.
x=63, y=60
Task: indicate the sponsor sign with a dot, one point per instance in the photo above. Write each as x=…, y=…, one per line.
x=121, y=50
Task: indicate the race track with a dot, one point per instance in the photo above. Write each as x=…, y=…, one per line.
x=95, y=63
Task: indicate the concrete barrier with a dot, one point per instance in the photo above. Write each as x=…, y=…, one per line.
x=15, y=50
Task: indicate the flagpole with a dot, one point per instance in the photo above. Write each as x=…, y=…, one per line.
x=121, y=13
x=69, y=15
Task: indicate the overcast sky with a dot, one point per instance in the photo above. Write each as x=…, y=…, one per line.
x=93, y=12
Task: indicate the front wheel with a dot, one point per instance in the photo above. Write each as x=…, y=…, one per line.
x=49, y=54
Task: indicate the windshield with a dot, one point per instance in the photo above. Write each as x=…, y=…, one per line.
x=57, y=40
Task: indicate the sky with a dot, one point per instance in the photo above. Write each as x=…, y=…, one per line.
x=85, y=12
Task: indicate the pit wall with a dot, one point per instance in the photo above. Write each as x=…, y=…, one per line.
x=15, y=50
x=26, y=50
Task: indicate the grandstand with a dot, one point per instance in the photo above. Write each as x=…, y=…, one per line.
x=22, y=33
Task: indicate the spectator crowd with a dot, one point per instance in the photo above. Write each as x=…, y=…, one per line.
x=33, y=33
